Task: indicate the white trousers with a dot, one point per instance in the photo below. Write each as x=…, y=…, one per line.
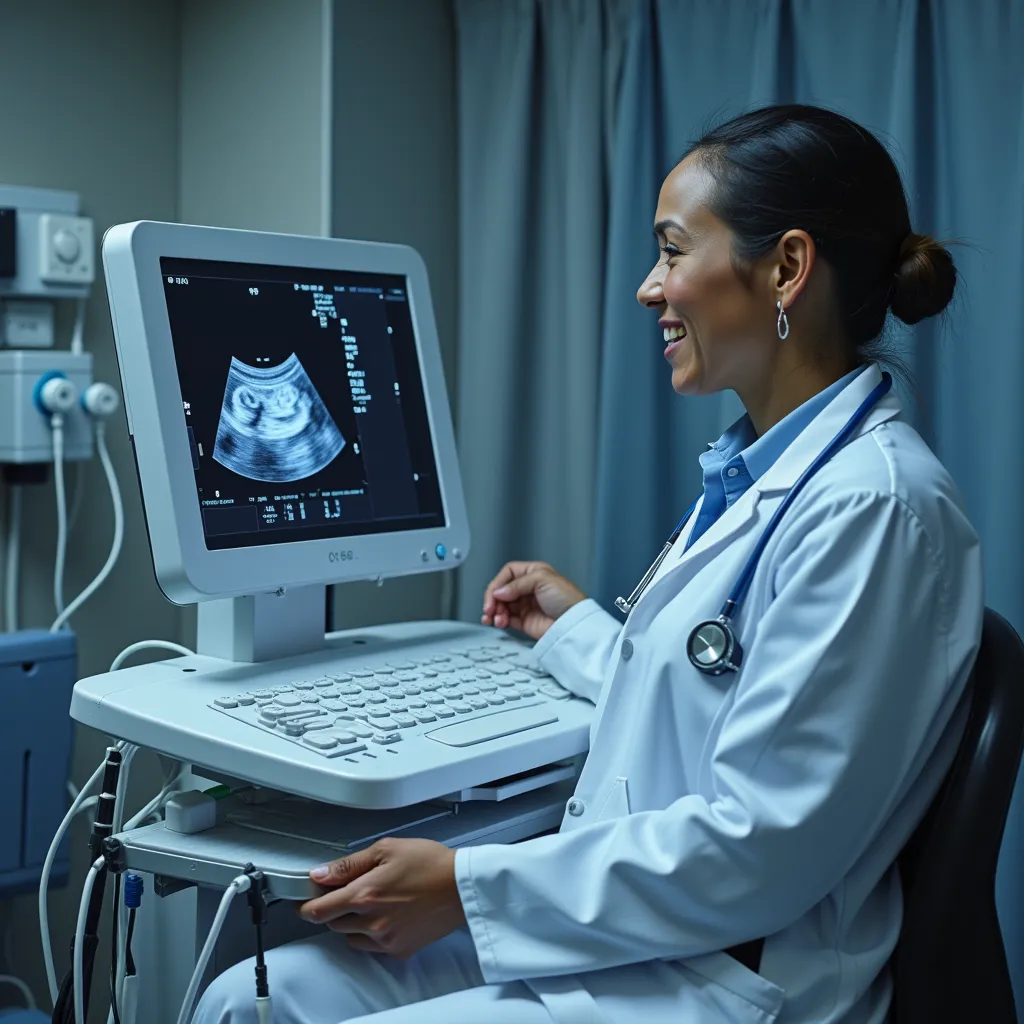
x=323, y=981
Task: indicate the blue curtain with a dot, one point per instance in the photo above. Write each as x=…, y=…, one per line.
x=941, y=82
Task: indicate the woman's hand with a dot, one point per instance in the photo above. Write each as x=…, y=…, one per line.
x=528, y=596
x=394, y=897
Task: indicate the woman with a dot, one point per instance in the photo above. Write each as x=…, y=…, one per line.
x=729, y=852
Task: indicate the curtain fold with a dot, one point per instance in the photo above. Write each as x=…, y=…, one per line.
x=573, y=445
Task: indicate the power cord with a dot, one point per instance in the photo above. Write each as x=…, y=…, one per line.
x=100, y=401
x=240, y=884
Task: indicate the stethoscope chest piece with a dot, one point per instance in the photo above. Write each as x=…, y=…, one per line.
x=712, y=647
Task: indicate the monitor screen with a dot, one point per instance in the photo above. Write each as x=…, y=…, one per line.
x=303, y=402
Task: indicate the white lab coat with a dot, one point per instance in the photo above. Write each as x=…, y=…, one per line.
x=772, y=802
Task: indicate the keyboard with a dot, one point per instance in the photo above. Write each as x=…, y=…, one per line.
x=381, y=717
x=459, y=697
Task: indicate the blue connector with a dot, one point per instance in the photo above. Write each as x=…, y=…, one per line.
x=133, y=889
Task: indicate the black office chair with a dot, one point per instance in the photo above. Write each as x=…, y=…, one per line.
x=950, y=964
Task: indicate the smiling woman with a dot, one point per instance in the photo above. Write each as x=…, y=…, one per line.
x=791, y=217
x=728, y=854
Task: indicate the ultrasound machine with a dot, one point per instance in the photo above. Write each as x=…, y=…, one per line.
x=291, y=430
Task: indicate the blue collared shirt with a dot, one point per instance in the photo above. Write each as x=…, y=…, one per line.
x=739, y=456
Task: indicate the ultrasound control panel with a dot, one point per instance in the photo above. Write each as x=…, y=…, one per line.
x=303, y=402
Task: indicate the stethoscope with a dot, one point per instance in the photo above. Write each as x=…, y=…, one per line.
x=712, y=646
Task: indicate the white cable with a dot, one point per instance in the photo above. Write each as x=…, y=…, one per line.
x=78, y=968
x=240, y=884
x=264, y=1013
x=80, y=803
x=13, y=560
x=164, y=645
x=26, y=992
x=115, y=547
x=57, y=429
x=129, y=998
x=77, y=493
x=73, y=790
x=77, y=336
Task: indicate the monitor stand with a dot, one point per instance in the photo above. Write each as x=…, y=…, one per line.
x=262, y=627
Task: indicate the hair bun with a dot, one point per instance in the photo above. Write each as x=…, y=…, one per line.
x=925, y=279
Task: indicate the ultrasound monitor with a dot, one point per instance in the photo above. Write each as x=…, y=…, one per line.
x=287, y=409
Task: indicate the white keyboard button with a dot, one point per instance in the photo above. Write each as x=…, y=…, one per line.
x=302, y=684
x=554, y=691
x=495, y=698
x=341, y=677
x=295, y=728
x=262, y=694
x=386, y=737
x=443, y=711
x=350, y=690
x=519, y=677
x=226, y=702
x=410, y=690
x=320, y=741
x=459, y=707
x=402, y=665
x=427, y=673
x=392, y=693
x=469, y=689
x=283, y=689
x=460, y=663
x=478, y=703
x=379, y=713
x=405, y=721
x=526, y=691
x=375, y=698
x=289, y=700
x=492, y=727
x=310, y=698
x=431, y=684
x=361, y=731
x=345, y=737
x=434, y=698
x=346, y=717
x=388, y=724
x=407, y=677
x=486, y=688
x=333, y=705
x=440, y=659
x=245, y=699
x=424, y=716
x=361, y=673
x=505, y=681
x=355, y=702
x=416, y=704
x=385, y=669
x=319, y=723
x=511, y=695
x=369, y=684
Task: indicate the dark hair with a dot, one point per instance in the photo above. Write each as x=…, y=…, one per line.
x=794, y=166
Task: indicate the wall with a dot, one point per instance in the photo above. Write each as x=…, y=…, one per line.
x=90, y=105
x=395, y=180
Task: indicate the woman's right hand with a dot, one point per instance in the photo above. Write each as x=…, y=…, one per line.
x=528, y=596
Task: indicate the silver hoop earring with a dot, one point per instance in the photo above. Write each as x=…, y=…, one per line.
x=782, y=326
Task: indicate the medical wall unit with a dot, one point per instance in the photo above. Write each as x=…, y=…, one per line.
x=291, y=429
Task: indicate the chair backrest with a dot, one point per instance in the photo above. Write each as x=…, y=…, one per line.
x=950, y=964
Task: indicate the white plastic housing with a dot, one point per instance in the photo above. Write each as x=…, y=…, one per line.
x=25, y=434
x=186, y=570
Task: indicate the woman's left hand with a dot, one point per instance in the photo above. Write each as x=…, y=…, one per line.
x=394, y=897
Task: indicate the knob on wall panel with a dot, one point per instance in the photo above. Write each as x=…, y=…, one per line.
x=66, y=249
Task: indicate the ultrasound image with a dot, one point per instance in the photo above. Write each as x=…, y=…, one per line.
x=274, y=425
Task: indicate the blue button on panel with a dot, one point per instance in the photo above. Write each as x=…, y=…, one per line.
x=441, y=551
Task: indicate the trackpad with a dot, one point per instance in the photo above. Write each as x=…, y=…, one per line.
x=493, y=727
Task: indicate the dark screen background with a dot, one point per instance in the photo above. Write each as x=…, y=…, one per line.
x=337, y=324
